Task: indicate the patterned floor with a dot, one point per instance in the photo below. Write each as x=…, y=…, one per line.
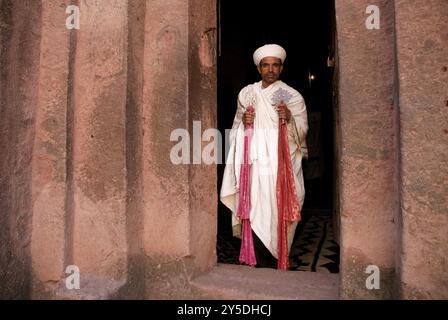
x=314, y=248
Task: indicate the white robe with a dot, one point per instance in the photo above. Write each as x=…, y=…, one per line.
x=263, y=160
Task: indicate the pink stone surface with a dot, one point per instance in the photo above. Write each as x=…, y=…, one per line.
x=85, y=171
x=20, y=30
x=422, y=53
x=179, y=88
x=50, y=150
x=165, y=185
x=202, y=107
x=367, y=149
x=99, y=167
x=135, y=285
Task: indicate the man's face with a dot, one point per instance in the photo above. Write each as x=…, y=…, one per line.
x=270, y=69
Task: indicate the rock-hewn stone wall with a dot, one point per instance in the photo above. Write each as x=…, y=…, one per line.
x=19, y=71
x=367, y=148
x=422, y=53
x=85, y=172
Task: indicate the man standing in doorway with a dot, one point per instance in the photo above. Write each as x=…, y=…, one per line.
x=266, y=106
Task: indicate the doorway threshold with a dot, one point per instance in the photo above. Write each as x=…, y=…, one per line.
x=235, y=282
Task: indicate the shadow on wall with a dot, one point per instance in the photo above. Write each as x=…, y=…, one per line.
x=19, y=65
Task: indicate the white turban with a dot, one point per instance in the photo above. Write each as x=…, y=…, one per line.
x=269, y=50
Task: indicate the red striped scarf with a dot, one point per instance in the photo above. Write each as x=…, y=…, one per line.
x=287, y=204
x=247, y=253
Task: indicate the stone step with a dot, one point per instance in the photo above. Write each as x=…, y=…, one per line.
x=236, y=282
x=91, y=288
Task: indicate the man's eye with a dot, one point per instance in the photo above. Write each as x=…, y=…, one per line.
x=276, y=65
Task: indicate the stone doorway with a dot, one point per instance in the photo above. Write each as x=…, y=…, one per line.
x=85, y=171
x=307, y=32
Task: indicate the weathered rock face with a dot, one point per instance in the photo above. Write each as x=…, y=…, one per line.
x=94, y=186
x=99, y=145
x=85, y=172
x=422, y=55
x=79, y=167
x=368, y=150
x=19, y=65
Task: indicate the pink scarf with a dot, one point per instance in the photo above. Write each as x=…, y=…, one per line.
x=247, y=254
x=287, y=204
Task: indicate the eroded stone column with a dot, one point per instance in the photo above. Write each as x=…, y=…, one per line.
x=179, y=199
x=202, y=107
x=166, y=201
x=20, y=32
x=99, y=168
x=135, y=287
x=368, y=192
x=422, y=53
x=50, y=151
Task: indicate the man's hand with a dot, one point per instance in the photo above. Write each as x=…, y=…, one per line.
x=283, y=112
x=248, y=118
